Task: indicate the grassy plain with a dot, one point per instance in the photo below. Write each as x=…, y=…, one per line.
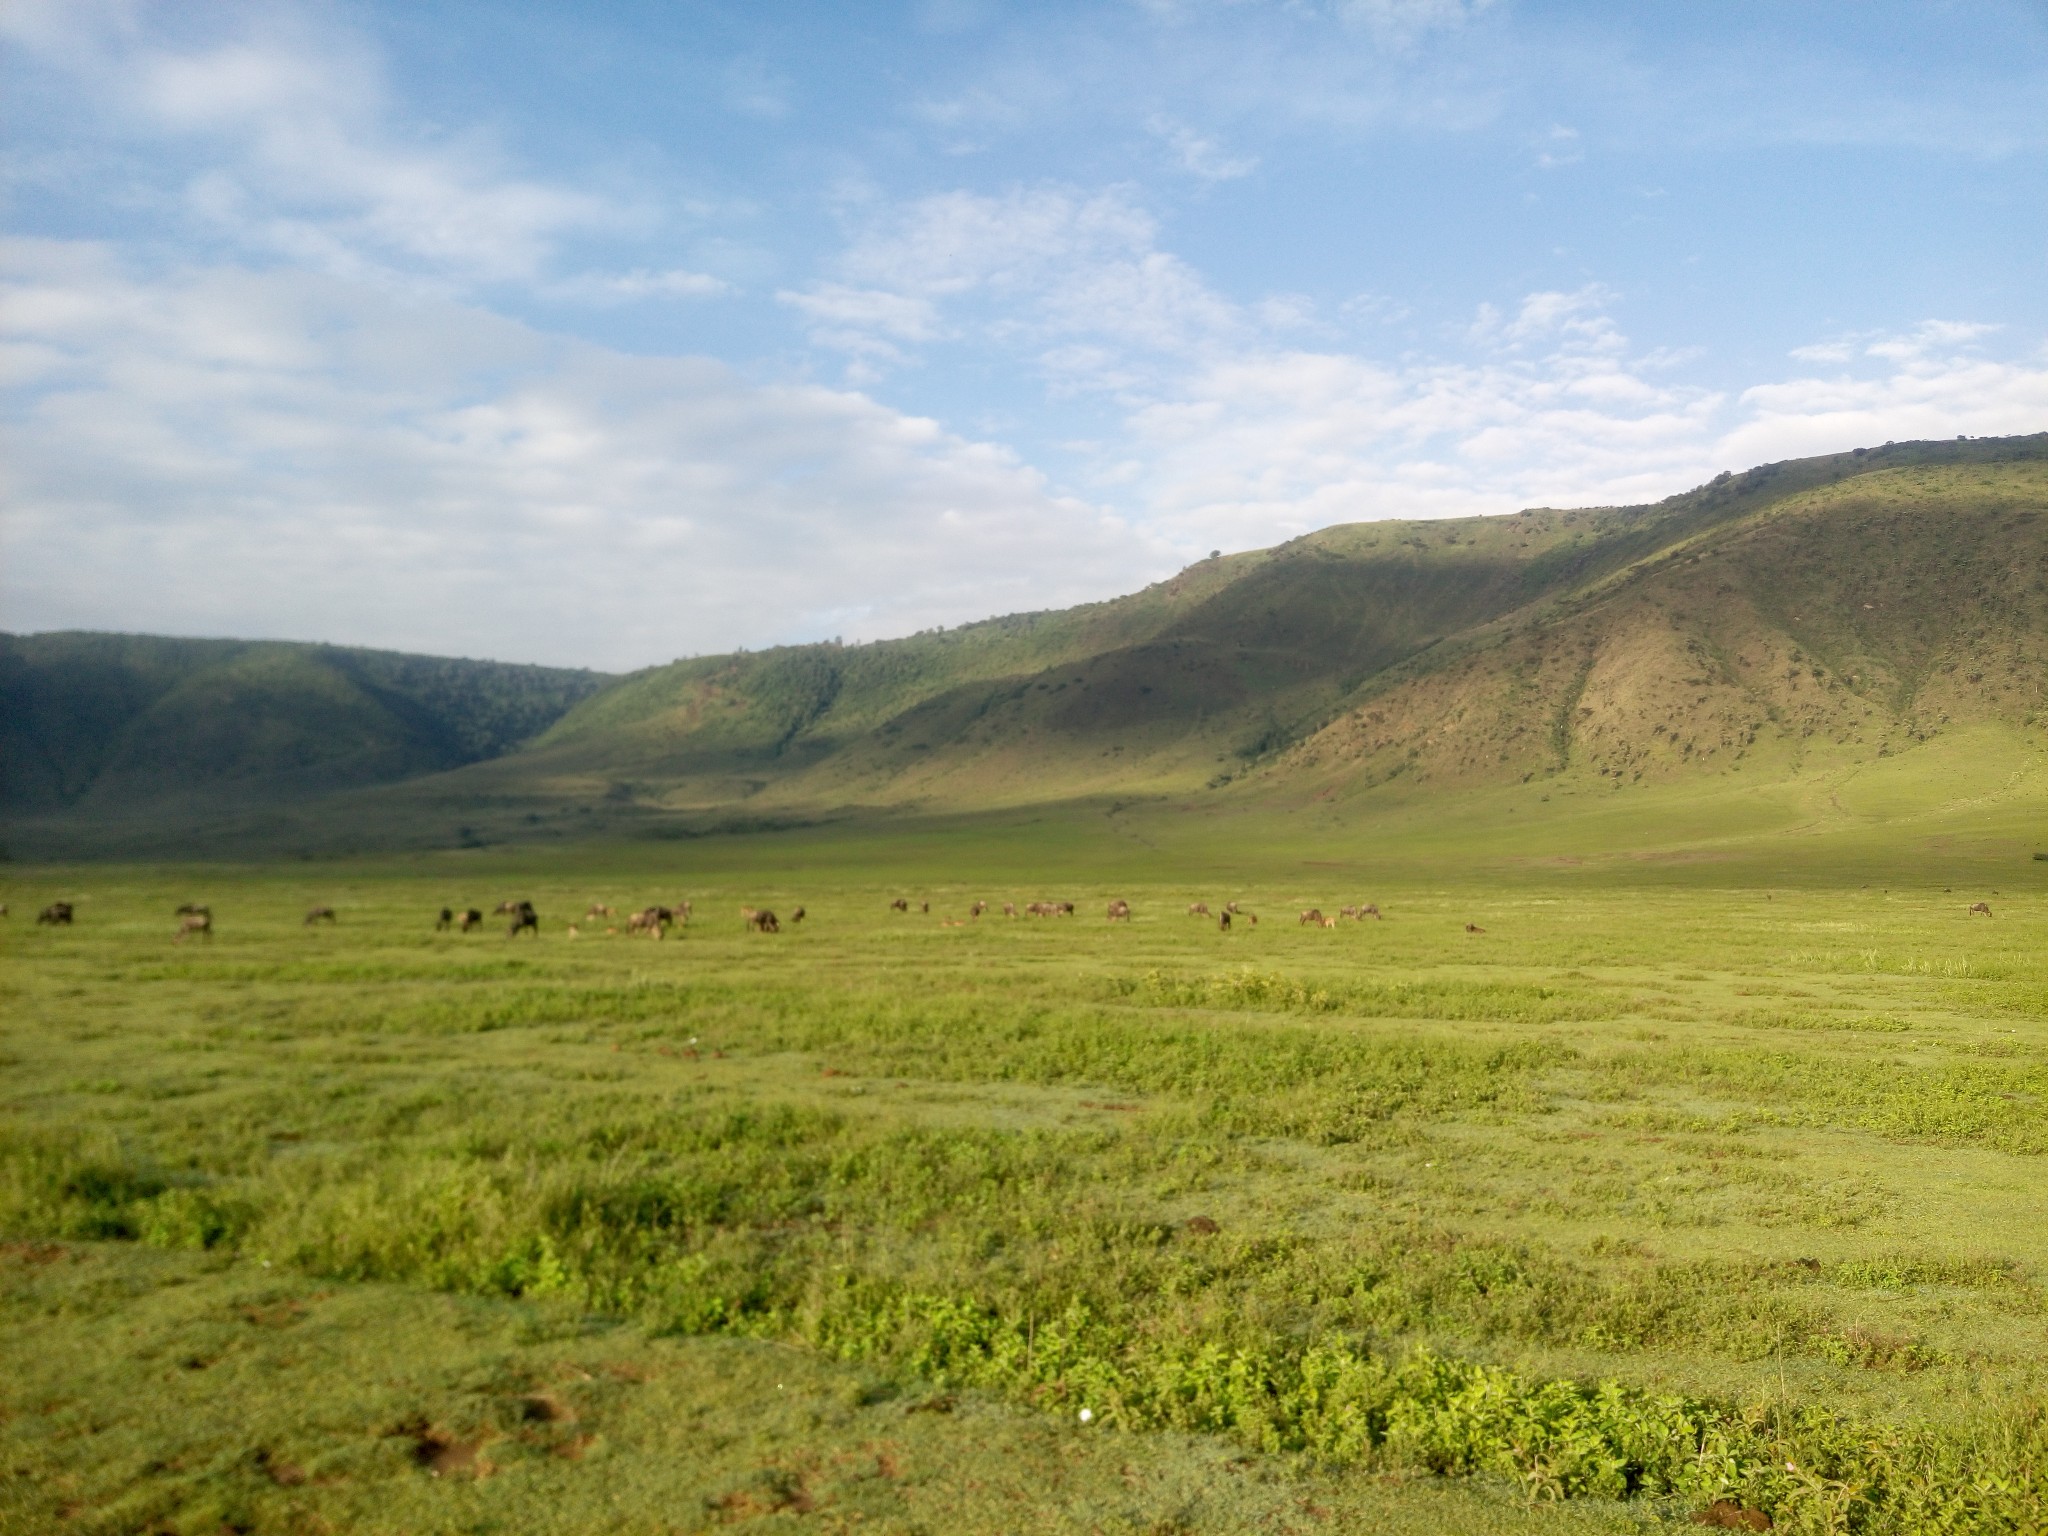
x=1708, y=1182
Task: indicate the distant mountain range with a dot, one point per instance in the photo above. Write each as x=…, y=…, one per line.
x=1835, y=609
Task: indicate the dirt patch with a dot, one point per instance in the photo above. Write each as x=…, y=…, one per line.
x=284, y=1473
x=944, y=1402
x=1202, y=1226
x=32, y=1253
x=1727, y=1515
x=545, y=1408
x=771, y=1491
x=277, y=1314
x=441, y=1453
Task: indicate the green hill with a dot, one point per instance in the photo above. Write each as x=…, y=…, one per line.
x=1770, y=626
x=95, y=725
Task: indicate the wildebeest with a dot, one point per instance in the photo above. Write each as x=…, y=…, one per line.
x=508, y=908
x=1009, y=909
x=974, y=911
x=1119, y=910
x=797, y=916
x=200, y=922
x=682, y=911
x=1474, y=928
x=598, y=909
x=524, y=918
x=319, y=915
x=899, y=905
x=925, y=907
x=57, y=914
x=1980, y=906
x=1361, y=912
x=652, y=921
x=446, y=920
x=472, y=918
x=1230, y=906
x=1223, y=920
x=190, y=907
x=1311, y=916
x=762, y=921
x=1198, y=909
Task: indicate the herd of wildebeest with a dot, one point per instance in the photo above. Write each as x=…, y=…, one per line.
x=195, y=920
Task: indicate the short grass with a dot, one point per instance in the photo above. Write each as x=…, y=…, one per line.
x=1660, y=1196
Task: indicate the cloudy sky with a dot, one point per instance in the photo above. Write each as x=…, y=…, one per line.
x=609, y=333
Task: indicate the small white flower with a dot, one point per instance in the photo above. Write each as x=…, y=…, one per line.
x=1087, y=1415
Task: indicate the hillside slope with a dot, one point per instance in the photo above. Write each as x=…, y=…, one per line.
x=1784, y=622
x=98, y=723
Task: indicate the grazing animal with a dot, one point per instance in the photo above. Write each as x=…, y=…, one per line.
x=319, y=915
x=193, y=906
x=1223, y=920
x=798, y=915
x=1063, y=909
x=1230, y=906
x=524, y=919
x=200, y=922
x=445, y=921
x=974, y=911
x=925, y=907
x=682, y=910
x=3, y=909
x=1474, y=928
x=1980, y=906
x=1119, y=910
x=763, y=921
x=57, y=914
x=1360, y=913
x=1009, y=909
x=506, y=908
x=1250, y=917
x=572, y=930
x=472, y=918
x=1311, y=915
x=653, y=921
x=899, y=905
x=1198, y=909
x=598, y=909
x=1329, y=922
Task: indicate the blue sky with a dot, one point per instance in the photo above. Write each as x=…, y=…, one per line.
x=609, y=333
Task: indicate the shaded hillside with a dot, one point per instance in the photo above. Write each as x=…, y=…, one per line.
x=97, y=721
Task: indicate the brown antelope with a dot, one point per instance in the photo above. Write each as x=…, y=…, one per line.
x=319, y=915
x=682, y=910
x=199, y=922
x=57, y=914
x=977, y=909
x=1009, y=909
x=797, y=916
x=1198, y=909
x=1474, y=928
x=762, y=922
x=1980, y=906
x=1329, y=922
x=899, y=905
x=1311, y=915
x=1230, y=906
x=1119, y=911
x=598, y=909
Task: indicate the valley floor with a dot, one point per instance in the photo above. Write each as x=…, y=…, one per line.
x=1564, y=1200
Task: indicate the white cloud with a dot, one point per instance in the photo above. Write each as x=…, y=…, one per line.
x=305, y=154
x=1199, y=155
x=292, y=455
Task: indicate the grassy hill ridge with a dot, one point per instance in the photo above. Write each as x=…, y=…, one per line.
x=97, y=722
x=1824, y=611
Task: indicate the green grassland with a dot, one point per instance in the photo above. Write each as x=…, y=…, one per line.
x=1707, y=1179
